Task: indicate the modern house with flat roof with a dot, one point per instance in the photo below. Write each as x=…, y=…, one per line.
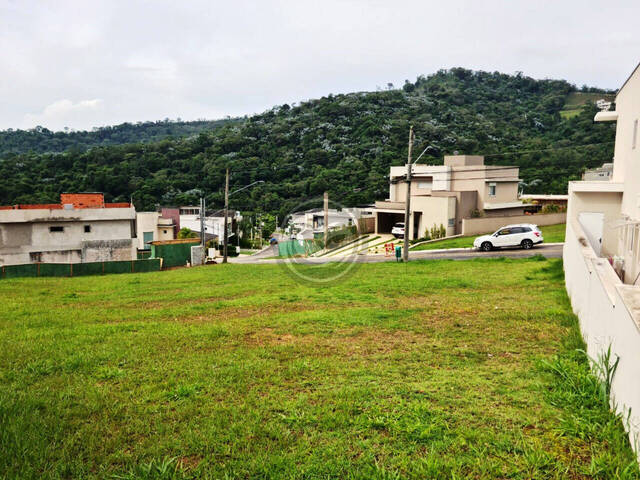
x=81, y=228
x=602, y=256
x=445, y=194
x=153, y=226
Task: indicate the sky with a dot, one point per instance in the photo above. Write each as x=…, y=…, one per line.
x=83, y=64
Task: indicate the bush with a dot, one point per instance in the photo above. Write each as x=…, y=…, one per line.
x=187, y=233
x=553, y=208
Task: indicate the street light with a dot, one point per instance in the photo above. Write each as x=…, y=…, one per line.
x=226, y=210
x=407, y=207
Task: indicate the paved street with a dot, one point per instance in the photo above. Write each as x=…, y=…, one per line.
x=552, y=250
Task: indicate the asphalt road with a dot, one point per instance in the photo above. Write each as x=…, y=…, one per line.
x=552, y=250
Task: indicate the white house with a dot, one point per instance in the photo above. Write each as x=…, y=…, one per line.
x=151, y=227
x=312, y=220
x=601, y=255
x=213, y=224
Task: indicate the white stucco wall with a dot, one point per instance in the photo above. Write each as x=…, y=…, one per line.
x=605, y=308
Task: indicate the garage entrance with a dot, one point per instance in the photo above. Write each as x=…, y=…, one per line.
x=387, y=220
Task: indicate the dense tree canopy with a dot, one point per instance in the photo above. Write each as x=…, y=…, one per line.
x=42, y=140
x=340, y=143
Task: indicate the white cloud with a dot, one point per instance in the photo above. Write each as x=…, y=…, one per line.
x=211, y=58
x=64, y=113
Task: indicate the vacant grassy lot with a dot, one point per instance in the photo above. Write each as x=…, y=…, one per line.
x=434, y=369
x=551, y=234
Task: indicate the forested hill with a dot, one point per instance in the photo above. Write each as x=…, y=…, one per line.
x=340, y=143
x=42, y=140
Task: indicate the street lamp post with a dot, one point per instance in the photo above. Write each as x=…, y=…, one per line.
x=226, y=210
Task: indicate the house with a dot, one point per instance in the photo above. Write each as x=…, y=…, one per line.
x=213, y=224
x=603, y=104
x=536, y=202
x=446, y=194
x=153, y=226
x=81, y=228
x=313, y=220
x=601, y=256
x=546, y=199
x=601, y=173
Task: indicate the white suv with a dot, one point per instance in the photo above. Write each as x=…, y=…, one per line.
x=398, y=230
x=523, y=235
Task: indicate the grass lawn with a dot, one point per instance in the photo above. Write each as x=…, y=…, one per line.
x=567, y=114
x=436, y=370
x=550, y=233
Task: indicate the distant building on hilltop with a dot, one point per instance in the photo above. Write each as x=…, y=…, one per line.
x=81, y=228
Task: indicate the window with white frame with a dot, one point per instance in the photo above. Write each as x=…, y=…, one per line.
x=492, y=189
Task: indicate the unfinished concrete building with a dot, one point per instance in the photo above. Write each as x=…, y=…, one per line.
x=81, y=228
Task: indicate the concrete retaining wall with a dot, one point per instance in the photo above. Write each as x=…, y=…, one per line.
x=598, y=299
x=474, y=226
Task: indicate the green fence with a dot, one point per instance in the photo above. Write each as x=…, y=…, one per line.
x=79, y=269
x=144, y=254
x=289, y=248
x=173, y=253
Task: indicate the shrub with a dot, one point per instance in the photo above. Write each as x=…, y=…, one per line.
x=553, y=208
x=187, y=233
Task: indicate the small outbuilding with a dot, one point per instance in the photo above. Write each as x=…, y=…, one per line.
x=174, y=253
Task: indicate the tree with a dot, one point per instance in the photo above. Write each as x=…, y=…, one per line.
x=187, y=233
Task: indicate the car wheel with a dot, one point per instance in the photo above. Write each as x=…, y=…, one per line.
x=527, y=244
x=486, y=246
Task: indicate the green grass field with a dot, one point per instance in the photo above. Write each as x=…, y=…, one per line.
x=431, y=370
x=550, y=233
x=568, y=114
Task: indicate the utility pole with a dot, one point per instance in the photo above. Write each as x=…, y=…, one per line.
x=407, y=208
x=202, y=228
x=226, y=216
x=326, y=219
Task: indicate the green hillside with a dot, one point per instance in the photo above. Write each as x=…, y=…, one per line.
x=340, y=143
x=43, y=140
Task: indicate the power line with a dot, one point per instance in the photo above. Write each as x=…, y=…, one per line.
x=518, y=152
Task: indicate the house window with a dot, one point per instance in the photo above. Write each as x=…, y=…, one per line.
x=492, y=189
x=87, y=229
x=452, y=222
x=56, y=229
x=147, y=237
x=635, y=134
